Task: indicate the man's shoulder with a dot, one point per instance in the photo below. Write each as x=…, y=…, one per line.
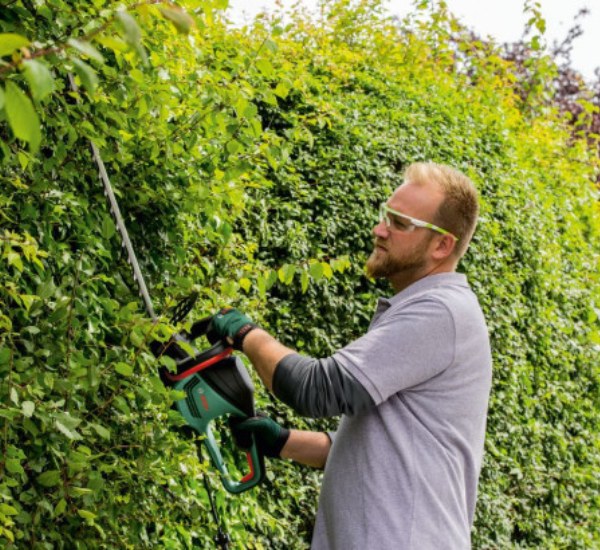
x=442, y=298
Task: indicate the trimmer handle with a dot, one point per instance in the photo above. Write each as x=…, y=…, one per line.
x=188, y=363
x=200, y=328
x=219, y=391
x=256, y=465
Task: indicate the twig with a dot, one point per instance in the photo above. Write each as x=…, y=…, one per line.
x=70, y=335
x=85, y=38
x=10, y=371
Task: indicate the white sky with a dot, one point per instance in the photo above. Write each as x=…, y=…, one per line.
x=501, y=19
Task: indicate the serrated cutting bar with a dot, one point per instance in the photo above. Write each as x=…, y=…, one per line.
x=116, y=212
x=114, y=209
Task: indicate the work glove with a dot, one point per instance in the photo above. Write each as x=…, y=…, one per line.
x=270, y=437
x=231, y=326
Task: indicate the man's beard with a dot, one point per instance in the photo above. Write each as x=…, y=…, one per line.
x=382, y=265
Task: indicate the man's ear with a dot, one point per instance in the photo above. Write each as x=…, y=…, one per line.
x=445, y=247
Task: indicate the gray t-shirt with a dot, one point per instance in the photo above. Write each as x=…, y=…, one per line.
x=403, y=475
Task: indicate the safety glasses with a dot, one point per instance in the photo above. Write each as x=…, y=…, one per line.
x=401, y=222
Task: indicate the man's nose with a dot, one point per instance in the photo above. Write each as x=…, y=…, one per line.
x=381, y=230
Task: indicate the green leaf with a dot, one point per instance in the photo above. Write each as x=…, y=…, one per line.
x=245, y=283
x=316, y=271
x=233, y=146
x=23, y=159
x=13, y=465
x=182, y=20
x=177, y=395
x=11, y=42
x=340, y=264
x=281, y=90
x=540, y=24
x=68, y=420
x=286, y=273
x=70, y=433
x=137, y=338
x=304, y=280
x=87, y=49
x=86, y=74
x=124, y=369
x=271, y=46
x=281, y=274
x=137, y=75
x=108, y=227
x=265, y=67
x=1, y=98
x=28, y=407
x=41, y=82
x=101, y=431
x=271, y=278
x=131, y=29
x=112, y=43
x=60, y=507
x=4, y=356
x=80, y=491
x=46, y=289
x=49, y=478
x=8, y=510
x=27, y=300
x=261, y=284
x=58, y=314
x=10, y=414
x=22, y=117
x=168, y=362
x=187, y=347
x=85, y=514
x=13, y=258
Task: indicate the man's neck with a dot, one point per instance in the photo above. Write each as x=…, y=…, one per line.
x=403, y=280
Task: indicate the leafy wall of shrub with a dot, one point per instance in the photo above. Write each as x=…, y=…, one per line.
x=249, y=164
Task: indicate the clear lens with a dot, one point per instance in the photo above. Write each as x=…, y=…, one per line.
x=394, y=221
x=406, y=224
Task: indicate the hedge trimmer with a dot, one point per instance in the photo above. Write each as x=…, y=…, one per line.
x=215, y=383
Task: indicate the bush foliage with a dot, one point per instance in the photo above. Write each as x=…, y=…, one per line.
x=249, y=164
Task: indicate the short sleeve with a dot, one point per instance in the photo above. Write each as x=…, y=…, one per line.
x=408, y=345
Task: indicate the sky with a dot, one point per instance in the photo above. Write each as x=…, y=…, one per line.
x=502, y=20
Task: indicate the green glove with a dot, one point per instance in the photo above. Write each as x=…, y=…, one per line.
x=270, y=437
x=230, y=325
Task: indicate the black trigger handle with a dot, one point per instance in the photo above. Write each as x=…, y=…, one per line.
x=200, y=328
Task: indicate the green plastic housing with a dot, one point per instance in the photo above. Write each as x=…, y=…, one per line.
x=221, y=390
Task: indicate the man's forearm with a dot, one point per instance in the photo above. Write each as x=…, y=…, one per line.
x=316, y=388
x=264, y=353
x=309, y=448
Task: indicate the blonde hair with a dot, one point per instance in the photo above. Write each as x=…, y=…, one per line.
x=459, y=210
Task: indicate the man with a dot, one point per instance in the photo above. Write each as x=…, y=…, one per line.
x=401, y=471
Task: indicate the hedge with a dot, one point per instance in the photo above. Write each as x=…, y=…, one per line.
x=249, y=163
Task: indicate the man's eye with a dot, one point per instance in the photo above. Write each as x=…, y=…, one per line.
x=399, y=223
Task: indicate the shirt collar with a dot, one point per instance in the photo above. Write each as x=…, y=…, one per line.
x=426, y=283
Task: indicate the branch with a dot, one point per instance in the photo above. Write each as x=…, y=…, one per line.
x=85, y=38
